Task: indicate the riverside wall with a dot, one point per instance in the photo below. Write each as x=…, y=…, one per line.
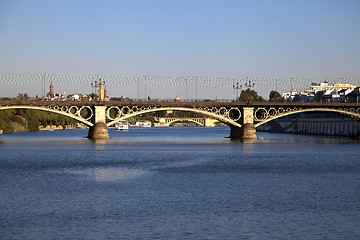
x=316, y=126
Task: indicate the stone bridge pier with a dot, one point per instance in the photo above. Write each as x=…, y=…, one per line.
x=100, y=129
x=248, y=130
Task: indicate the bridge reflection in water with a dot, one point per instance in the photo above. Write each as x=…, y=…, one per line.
x=242, y=118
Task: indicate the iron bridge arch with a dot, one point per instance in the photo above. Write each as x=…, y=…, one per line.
x=221, y=114
x=263, y=115
x=73, y=112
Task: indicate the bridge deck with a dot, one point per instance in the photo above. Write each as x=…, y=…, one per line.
x=173, y=104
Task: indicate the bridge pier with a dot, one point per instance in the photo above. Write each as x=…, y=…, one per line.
x=248, y=130
x=100, y=129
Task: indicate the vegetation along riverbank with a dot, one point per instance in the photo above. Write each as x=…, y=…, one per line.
x=23, y=120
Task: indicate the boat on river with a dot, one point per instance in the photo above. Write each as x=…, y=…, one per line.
x=143, y=124
x=122, y=126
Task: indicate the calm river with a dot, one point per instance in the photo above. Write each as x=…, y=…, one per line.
x=178, y=183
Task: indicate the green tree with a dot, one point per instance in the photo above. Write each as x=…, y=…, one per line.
x=250, y=95
x=93, y=96
x=5, y=120
x=23, y=96
x=273, y=95
x=32, y=118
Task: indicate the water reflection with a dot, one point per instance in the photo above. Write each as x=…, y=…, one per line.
x=99, y=141
x=243, y=140
x=111, y=174
x=116, y=174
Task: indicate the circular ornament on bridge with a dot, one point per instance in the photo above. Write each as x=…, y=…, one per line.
x=272, y=112
x=125, y=110
x=86, y=112
x=234, y=114
x=56, y=107
x=206, y=109
x=288, y=110
x=142, y=108
x=135, y=109
x=214, y=110
x=64, y=108
x=223, y=111
x=261, y=114
x=113, y=111
x=73, y=110
x=281, y=110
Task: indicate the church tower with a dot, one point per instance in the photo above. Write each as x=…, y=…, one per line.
x=102, y=91
x=51, y=93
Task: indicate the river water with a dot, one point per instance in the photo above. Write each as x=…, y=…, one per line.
x=178, y=183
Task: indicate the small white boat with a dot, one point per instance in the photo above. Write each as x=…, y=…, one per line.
x=122, y=126
x=143, y=124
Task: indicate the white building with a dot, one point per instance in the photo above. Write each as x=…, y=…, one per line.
x=326, y=87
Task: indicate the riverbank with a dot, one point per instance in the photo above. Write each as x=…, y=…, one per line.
x=19, y=128
x=340, y=127
x=52, y=128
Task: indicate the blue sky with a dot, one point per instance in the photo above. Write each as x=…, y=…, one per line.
x=293, y=38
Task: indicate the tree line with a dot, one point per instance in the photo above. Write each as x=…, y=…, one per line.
x=250, y=95
x=31, y=120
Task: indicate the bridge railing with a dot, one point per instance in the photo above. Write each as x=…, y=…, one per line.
x=170, y=102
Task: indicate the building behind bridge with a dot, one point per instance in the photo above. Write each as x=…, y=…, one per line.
x=326, y=93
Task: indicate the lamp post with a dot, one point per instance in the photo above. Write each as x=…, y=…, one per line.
x=94, y=86
x=249, y=85
x=236, y=88
x=99, y=85
x=196, y=89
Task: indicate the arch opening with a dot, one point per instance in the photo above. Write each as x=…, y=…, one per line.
x=71, y=112
x=221, y=118
x=267, y=116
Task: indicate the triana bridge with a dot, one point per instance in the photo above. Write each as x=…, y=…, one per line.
x=242, y=118
x=203, y=122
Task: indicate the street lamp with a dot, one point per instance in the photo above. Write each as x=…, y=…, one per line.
x=249, y=85
x=97, y=85
x=237, y=87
